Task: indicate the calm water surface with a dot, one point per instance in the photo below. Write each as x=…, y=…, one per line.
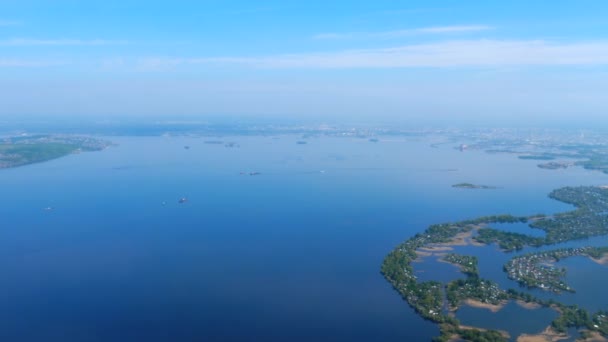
x=290, y=254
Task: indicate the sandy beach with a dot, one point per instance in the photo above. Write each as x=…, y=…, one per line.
x=529, y=306
x=602, y=261
x=548, y=335
x=595, y=337
x=491, y=307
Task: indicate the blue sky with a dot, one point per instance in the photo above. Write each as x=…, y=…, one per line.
x=475, y=61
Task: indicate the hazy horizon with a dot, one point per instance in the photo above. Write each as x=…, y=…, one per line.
x=420, y=61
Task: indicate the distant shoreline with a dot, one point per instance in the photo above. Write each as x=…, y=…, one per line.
x=472, y=186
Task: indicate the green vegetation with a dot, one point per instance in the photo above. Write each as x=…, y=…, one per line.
x=26, y=150
x=455, y=333
x=466, y=263
x=588, y=219
x=571, y=317
x=472, y=186
x=497, y=219
x=596, y=252
x=535, y=269
x=427, y=298
x=22, y=154
x=597, y=162
x=537, y=157
x=482, y=290
x=481, y=335
x=555, y=165
x=508, y=241
x=599, y=322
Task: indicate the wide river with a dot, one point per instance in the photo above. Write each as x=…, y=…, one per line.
x=291, y=254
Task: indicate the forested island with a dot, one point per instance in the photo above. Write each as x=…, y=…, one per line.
x=472, y=186
x=428, y=298
x=555, y=165
x=25, y=150
x=537, y=157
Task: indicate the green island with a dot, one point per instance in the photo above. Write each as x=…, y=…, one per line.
x=466, y=263
x=537, y=269
x=592, y=154
x=587, y=220
x=555, y=165
x=429, y=298
x=597, y=162
x=537, y=157
x=472, y=290
x=477, y=290
x=25, y=150
x=507, y=241
x=472, y=186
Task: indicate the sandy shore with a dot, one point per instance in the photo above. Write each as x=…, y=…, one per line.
x=466, y=327
x=422, y=254
x=602, y=261
x=529, y=306
x=548, y=335
x=595, y=337
x=491, y=307
x=460, y=239
x=435, y=248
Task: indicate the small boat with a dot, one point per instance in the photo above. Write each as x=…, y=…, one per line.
x=49, y=209
x=182, y=200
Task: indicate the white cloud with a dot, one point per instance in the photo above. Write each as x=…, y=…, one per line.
x=59, y=42
x=9, y=23
x=27, y=63
x=454, y=29
x=463, y=53
x=403, y=33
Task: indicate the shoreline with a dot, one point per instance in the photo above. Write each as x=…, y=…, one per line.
x=505, y=334
x=602, y=261
x=595, y=337
x=547, y=335
x=529, y=306
x=494, y=308
x=460, y=239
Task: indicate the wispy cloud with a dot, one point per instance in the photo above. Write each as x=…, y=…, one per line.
x=27, y=63
x=463, y=53
x=412, y=10
x=9, y=23
x=59, y=42
x=404, y=33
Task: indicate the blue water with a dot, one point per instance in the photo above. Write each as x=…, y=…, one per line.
x=291, y=254
x=511, y=318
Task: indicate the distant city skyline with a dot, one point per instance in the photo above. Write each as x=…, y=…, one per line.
x=493, y=61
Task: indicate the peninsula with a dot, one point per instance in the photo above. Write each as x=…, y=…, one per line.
x=30, y=149
x=539, y=270
x=428, y=298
